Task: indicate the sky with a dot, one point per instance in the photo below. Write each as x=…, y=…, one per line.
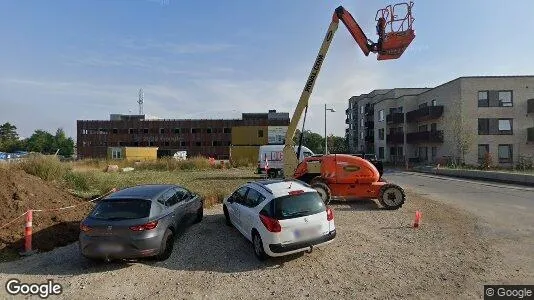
x=64, y=60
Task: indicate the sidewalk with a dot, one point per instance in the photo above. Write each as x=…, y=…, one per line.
x=496, y=176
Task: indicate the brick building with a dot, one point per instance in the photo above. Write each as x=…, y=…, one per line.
x=208, y=137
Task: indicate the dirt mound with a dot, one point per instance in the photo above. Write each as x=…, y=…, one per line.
x=20, y=192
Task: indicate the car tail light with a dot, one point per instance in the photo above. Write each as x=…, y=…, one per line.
x=296, y=192
x=329, y=214
x=85, y=228
x=271, y=224
x=147, y=226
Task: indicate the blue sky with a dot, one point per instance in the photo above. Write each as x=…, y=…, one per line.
x=65, y=60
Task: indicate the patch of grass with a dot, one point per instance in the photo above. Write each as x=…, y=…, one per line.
x=171, y=164
x=212, y=184
x=46, y=167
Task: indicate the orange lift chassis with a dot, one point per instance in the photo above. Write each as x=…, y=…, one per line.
x=344, y=175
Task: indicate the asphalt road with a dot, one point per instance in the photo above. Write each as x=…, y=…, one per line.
x=505, y=211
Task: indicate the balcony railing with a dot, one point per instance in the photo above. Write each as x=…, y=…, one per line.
x=530, y=106
x=424, y=113
x=530, y=134
x=395, y=118
x=425, y=137
x=395, y=138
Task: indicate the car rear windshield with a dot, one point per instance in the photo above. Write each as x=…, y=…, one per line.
x=122, y=209
x=295, y=206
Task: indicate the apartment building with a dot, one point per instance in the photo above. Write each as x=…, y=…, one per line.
x=465, y=118
x=207, y=137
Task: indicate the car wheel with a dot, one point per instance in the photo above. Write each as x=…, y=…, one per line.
x=167, y=245
x=323, y=190
x=257, y=244
x=227, y=216
x=200, y=214
x=391, y=196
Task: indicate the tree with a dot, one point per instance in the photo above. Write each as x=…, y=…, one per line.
x=337, y=145
x=463, y=133
x=42, y=142
x=312, y=140
x=9, y=138
x=64, y=144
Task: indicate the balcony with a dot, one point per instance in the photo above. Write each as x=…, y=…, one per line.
x=530, y=134
x=395, y=138
x=369, y=124
x=347, y=121
x=395, y=118
x=424, y=114
x=425, y=137
x=530, y=106
x=370, y=138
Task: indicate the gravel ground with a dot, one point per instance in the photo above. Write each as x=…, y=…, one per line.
x=375, y=256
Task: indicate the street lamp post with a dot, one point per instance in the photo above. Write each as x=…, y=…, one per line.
x=325, y=136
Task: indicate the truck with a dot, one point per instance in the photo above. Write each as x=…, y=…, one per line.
x=271, y=157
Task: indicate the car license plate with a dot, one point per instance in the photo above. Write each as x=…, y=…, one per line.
x=110, y=248
x=307, y=233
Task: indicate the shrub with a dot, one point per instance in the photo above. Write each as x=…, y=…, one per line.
x=487, y=162
x=46, y=167
x=80, y=181
x=525, y=163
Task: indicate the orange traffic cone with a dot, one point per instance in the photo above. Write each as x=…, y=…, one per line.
x=417, y=219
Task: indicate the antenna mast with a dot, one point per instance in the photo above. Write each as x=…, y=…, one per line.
x=140, y=101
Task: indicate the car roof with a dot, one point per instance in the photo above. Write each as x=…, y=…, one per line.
x=280, y=187
x=144, y=191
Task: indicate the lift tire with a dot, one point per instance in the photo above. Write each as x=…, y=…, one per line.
x=391, y=196
x=323, y=190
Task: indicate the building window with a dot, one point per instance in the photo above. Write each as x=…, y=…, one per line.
x=483, y=126
x=423, y=105
x=183, y=144
x=208, y=130
x=116, y=153
x=361, y=135
x=177, y=130
x=195, y=130
x=381, y=134
x=167, y=144
x=131, y=131
x=151, y=144
x=198, y=144
x=483, y=99
x=434, y=102
x=161, y=130
x=381, y=115
x=381, y=152
x=434, y=152
x=433, y=127
x=423, y=128
x=505, y=153
x=227, y=130
x=361, y=122
x=361, y=109
x=505, y=126
x=260, y=133
x=482, y=150
x=505, y=98
x=115, y=130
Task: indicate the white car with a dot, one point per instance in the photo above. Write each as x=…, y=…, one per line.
x=280, y=217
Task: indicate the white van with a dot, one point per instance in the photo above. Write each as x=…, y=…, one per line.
x=274, y=154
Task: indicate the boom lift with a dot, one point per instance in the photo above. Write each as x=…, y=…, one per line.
x=342, y=175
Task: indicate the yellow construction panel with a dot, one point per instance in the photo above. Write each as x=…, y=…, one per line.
x=249, y=135
x=244, y=154
x=140, y=153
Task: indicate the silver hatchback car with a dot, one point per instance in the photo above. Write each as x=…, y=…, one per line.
x=139, y=221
